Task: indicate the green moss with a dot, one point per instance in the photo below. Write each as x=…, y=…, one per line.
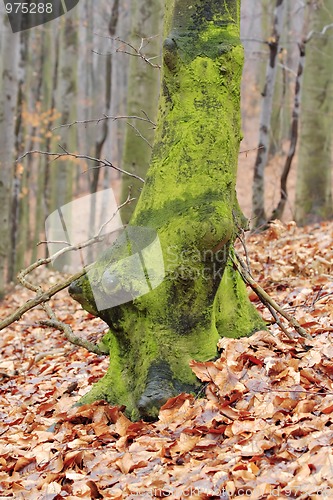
x=189, y=199
x=234, y=315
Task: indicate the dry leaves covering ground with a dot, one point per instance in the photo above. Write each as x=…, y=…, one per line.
x=264, y=429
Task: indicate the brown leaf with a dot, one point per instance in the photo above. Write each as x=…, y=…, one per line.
x=95, y=493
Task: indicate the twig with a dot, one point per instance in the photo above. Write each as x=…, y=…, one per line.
x=242, y=240
x=278, y=322
x=138, y=133
x=53, y=321
x=104, y=163
x=269, y=307
x=41, y=298
x=265, y=298
x=106, y=117
x=68, y=332
x=44, y=354
x=44, y=296
x=246, y=151
x=138, y=52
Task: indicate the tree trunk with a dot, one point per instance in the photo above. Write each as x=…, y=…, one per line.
x=314, y=170
x=258, y=193
x=293, y=133
x=189, y=200
x=10, y=45
x=143, y=90
x=66, y=85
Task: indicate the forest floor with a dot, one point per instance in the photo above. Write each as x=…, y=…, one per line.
x=264, y=429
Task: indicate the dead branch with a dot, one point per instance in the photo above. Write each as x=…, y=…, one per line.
x=107, y=117
x=44, y=296
x=41, y=298
x=266, y=299
x=131, y=50
x=137, y=52
x=70, y=336
x=103, y=163
x=138, y=133
x=270, y=308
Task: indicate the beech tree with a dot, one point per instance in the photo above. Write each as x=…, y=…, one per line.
x=314, y=169
x=189, y=199
x=258, y=189
x=10, y=46
x=143, y=86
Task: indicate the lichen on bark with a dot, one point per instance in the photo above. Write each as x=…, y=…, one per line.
x=189, y=199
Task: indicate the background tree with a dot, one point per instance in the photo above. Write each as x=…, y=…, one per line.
x=314, y=170
x=143, y=87
x=10, y=45
x=258, y=196
x=189, y=199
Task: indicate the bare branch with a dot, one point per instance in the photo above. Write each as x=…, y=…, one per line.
x=318, y=33
x=132, y=50
x=44, y=296
x=266, y=299
x=138, y=133
x=107, y=117
x=246, y=151
x=68, y=332
x=138, y=52
x=103, y=163
x=41, y=298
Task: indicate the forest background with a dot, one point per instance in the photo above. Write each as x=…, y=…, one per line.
x=102, y=60
x=263, y=428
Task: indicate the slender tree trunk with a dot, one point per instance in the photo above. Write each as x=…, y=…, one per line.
x=62, y=174
x=10, y=45
x=105, y=84
x=143, y=88
x=189, y=200
x=258, y=193
x=18, y=167
x=314, y=170
x=294, y=128
x=42, y=80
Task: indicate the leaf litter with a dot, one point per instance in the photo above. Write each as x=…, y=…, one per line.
x=264, y=430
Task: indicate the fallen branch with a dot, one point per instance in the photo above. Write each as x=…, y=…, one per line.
x=53, y=322
x=266, y=299
x=44, y=296
x=41, y=298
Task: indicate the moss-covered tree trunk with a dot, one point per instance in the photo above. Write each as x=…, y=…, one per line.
x=189, y=199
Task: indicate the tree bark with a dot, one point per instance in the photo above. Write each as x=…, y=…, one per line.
x=258, y=193
x=314, y=170
x=293, y=135
x=143, y=91
x=10, y=46
x=189, y=199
